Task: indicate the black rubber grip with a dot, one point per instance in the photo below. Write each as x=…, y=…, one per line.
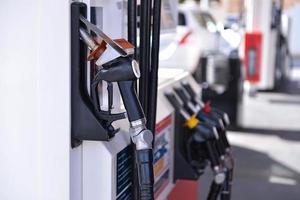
x=221, y=114
x=222, y=132
x=224, y=139
x=220, y=147
x=130, y=100
x=189, y=90
x=182, y=95
x=145, y=173
x=173, y=100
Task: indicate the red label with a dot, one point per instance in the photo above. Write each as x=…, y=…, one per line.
x=252, y=57
x=163, y=124
x=162, y=155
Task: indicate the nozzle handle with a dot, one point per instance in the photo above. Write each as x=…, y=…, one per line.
x=223, y=115
x=189, y=89
x=130, y=100
x=174, y=101
x=208, y=133
x=212, y=154
x=182, y=95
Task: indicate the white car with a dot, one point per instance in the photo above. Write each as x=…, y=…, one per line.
x=196, y=34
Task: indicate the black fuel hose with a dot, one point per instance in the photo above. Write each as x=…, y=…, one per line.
x=145, y=173
x=144, y=54
x=153, y=79
x=132, y=23
x=214, y=191
x=227, y=187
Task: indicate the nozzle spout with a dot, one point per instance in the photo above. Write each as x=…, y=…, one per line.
x=87, y=39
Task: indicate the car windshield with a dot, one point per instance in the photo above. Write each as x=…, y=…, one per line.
x=205, y=20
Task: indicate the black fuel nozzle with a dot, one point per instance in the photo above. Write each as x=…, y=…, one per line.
x=216, y=113
x=192, y=106
x=209, y=134
x=125, y=71
x=220, y=176
x=116, y=65
x=191, y=96
x=223, y=115
x=195, y=98
x=203, y=117
x=211, y=115
x=203, y=134
x=220, y=119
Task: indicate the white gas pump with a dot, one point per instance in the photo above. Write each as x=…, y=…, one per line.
x=263, y=31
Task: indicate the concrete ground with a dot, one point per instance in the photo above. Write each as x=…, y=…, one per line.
x=267, y=149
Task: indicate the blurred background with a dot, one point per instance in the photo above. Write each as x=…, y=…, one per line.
x=266, y=135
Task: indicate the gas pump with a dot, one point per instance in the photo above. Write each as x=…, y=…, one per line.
x=265, y=55
x=113, y=64
x=219, y=119
x=192, y=110
x=124, y=70
x=201, y=145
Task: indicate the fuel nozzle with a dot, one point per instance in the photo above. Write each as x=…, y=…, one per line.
x=195, y=109
x=223, y=119
x=125, y=72
x=209, y=114
x=205, y=106
x=203, y=134
x=212, y=153
x=116, y=65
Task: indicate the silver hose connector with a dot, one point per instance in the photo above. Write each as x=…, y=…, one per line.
x=140, y=135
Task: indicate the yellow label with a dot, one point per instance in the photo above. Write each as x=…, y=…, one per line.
x=192, y=122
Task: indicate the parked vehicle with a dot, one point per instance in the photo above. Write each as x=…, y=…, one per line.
x=197, y=34
x=208, y=52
